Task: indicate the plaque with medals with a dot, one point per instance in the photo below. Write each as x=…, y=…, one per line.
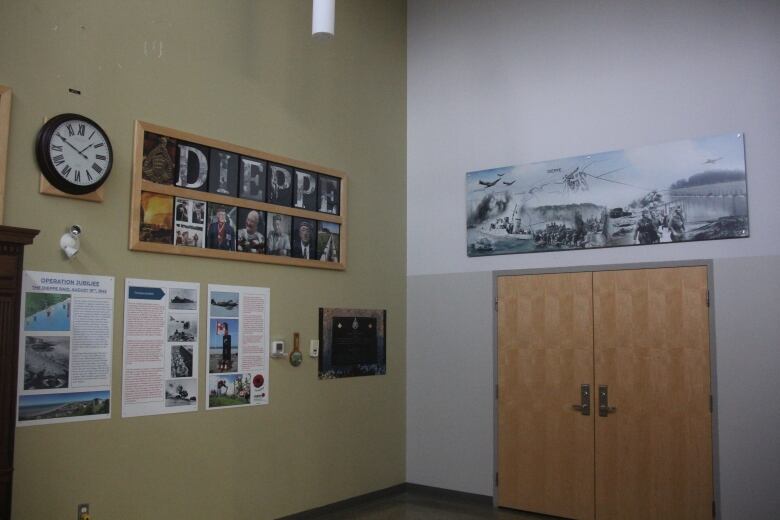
x=352, y=343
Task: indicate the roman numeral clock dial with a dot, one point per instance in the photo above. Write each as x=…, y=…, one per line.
x=74, y=153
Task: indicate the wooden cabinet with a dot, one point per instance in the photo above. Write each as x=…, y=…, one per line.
x=12, y=242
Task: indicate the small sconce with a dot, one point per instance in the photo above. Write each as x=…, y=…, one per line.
x=323, y=18
x=69, y=242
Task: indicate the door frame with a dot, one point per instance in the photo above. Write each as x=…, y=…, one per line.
x=708, y=263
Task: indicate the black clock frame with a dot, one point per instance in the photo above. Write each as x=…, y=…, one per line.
x=46, y=165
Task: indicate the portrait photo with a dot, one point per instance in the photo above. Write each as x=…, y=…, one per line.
x=304, y=238
x=278, y=237
x=221, y=229
x=251, y=231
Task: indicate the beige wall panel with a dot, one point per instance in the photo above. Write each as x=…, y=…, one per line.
x=245, y=72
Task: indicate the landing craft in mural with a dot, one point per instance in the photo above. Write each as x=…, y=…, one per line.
x=674, y=192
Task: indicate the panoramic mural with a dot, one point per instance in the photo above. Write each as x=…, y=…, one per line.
x=673, y=192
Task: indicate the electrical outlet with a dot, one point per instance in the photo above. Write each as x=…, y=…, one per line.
x=83, y=512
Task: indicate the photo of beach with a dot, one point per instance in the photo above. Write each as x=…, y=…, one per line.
x=57, y=406
x=47, y=312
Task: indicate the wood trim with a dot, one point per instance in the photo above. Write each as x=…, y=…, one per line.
x=16, y=235
x=45, y=188
x=139, y=185
x=5, y=125
x=12, y=240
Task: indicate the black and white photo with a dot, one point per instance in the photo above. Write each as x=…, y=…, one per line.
x=305, y=192
x=252, y=181
x=329, y=195
x=278, y=236
x=673, y=192
x=180, y=299
x=181, y=361
x=280, y=184
x=181, y=392
x=182, y=328
x=193, y=167
x=186, y=230
x=223, y=173
x=46, y=362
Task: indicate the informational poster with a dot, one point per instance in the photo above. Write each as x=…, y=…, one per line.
x=65, y=335
x=237, y=346
x=160, y=347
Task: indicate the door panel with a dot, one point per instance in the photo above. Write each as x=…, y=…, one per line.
x=654, y=454
x=545, y=352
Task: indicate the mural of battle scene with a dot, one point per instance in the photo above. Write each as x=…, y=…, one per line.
x=674, y=192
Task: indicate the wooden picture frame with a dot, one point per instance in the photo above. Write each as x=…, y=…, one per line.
x=5, y=126
x=141, y=185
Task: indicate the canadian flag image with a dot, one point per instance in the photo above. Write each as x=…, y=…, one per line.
x=220, y=328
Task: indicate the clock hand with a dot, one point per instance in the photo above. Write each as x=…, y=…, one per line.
x=88, y=146
x=68, y=143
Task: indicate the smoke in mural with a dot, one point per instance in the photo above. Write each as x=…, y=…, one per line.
x=674, y=192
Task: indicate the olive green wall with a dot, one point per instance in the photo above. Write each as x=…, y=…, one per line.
x=246, y=72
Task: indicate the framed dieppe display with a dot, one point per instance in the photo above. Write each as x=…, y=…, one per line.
x=352, y=343
x=197, y=196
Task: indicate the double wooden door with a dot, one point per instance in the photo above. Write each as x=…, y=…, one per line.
x=634, y=346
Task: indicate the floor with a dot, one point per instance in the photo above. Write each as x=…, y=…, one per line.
x=424, y=505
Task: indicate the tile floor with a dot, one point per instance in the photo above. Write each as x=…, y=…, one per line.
x=415, y=504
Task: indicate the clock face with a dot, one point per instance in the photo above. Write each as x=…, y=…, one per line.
x=74, y=153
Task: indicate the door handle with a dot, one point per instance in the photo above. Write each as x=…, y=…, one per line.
x=584, y=406
x=604, y=408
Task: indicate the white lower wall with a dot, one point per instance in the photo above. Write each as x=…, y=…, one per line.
x=450, y=383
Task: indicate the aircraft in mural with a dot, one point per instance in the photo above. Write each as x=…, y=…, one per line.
x=489, y=184
x=510, y=183
x=712, y=161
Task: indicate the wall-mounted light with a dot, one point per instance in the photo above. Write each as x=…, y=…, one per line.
x=323, y=18
x=70, y=242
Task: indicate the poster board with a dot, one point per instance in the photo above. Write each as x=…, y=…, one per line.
x=65, y=348
x=160, y=354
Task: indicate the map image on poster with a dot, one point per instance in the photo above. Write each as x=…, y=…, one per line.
x=352, y=343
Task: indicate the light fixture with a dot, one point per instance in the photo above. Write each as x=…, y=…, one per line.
x=70, y=242
x=323, y=18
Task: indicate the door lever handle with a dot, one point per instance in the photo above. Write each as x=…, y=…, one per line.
x=584, y=406
x=604, y=408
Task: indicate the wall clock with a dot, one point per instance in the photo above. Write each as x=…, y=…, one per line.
x=74, y=153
